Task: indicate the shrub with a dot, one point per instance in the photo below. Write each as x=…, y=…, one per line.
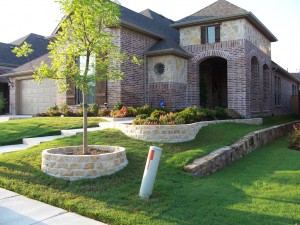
x=2, y=102
x=93, y=109
x=65, y=110
x=188, y=115
x=294, y=138
x=148, y=121
x=168, y=119
x=118, y=106
x=104, y=112
x=142, y=116
x=209, y=114
x=143, y=110
x=53, y=111
x=80, y=110
x=132, y=112
x=157, y=113
x=123, y=112
x=221, y=113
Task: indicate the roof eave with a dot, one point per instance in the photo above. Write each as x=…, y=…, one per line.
x=16, y=74
x=169, y=51
x=277, y=67
x=140, y=29
x=249, y=16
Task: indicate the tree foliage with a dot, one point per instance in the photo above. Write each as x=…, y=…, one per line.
x=84, y=32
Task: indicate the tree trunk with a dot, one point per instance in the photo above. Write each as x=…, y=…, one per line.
x=85, y=133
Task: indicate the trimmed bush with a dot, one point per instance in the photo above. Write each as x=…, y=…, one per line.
x=93, y=109
x=188, y=115
x=118, y=106
x=221, y=113
x=104, y=112
x=53, y=111
x=294, y=138
x=156, y=114
x=143, y=110
x=2, y=102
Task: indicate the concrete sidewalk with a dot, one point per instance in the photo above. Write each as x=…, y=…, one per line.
x=16, y=209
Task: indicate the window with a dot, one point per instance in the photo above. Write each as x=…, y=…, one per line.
x=159, y=69
x=266, y=87
x=92, y=85
x=277, y=91
x=210, y=34
x=294, y=89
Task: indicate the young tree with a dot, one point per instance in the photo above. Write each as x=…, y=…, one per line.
x=85, y=33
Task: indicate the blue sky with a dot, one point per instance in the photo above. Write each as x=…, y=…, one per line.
x=21, y=17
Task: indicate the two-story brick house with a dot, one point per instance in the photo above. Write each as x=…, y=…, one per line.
x=218, y=56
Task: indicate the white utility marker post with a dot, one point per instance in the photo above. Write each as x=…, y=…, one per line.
x=150, y=172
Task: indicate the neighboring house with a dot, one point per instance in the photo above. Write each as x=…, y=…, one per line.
x=218, y=56
x=9, y=61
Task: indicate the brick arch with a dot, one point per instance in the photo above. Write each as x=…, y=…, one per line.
x=212, y=53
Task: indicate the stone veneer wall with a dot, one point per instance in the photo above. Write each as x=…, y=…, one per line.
x=226, y=155
x=230, y=31
x=56, y=162
x=175, y=69
x=170, y=133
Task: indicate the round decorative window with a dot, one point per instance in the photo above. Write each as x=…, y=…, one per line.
x=159, y=69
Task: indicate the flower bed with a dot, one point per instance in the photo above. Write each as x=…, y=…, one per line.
x=60, y=162
x=170, y=133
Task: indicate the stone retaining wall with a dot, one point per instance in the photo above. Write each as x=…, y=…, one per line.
x=223, y=156
x=170, y=133
x=58, y=162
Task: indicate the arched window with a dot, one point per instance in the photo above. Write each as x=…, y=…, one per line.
x=266, y=87
x=255, y=83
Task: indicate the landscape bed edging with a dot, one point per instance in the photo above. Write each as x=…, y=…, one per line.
x=59, y=162
x=170, y=133
x=227, y=154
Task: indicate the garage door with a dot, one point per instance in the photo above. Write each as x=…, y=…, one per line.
x=36, y=98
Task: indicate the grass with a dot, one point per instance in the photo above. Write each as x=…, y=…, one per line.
x=12, y=132
x=261, y=188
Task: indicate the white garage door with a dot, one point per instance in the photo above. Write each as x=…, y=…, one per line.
x=36, y=98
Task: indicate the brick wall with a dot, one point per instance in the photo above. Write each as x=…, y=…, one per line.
x=131, y=89
x=238, y=54
x=286, y=94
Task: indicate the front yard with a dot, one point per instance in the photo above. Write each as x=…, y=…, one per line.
x=261, y=188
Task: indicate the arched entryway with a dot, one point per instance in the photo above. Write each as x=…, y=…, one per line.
x=213, y=82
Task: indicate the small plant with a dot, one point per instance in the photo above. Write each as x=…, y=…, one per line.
x=132, y=112
x=188, y=115
x=118, y=106
x=144, y=110
x=294, y=138
x=104, y=112
x=93, y=109
x=209, y=114
x=168, y=119
x=2, y=102
x=53, y=111
x=142, y=116
x=65, y=110
x=80, y=110
x=221, y=113
x=157, y=113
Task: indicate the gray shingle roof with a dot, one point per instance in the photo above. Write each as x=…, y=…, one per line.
x=157, y=25
x=276, y=67
x=220, y=8
x=30, y=66
x=39, y=46
x=222, y=11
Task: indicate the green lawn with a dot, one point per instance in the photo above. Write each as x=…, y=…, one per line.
x=14, y=131
x=261, y=188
